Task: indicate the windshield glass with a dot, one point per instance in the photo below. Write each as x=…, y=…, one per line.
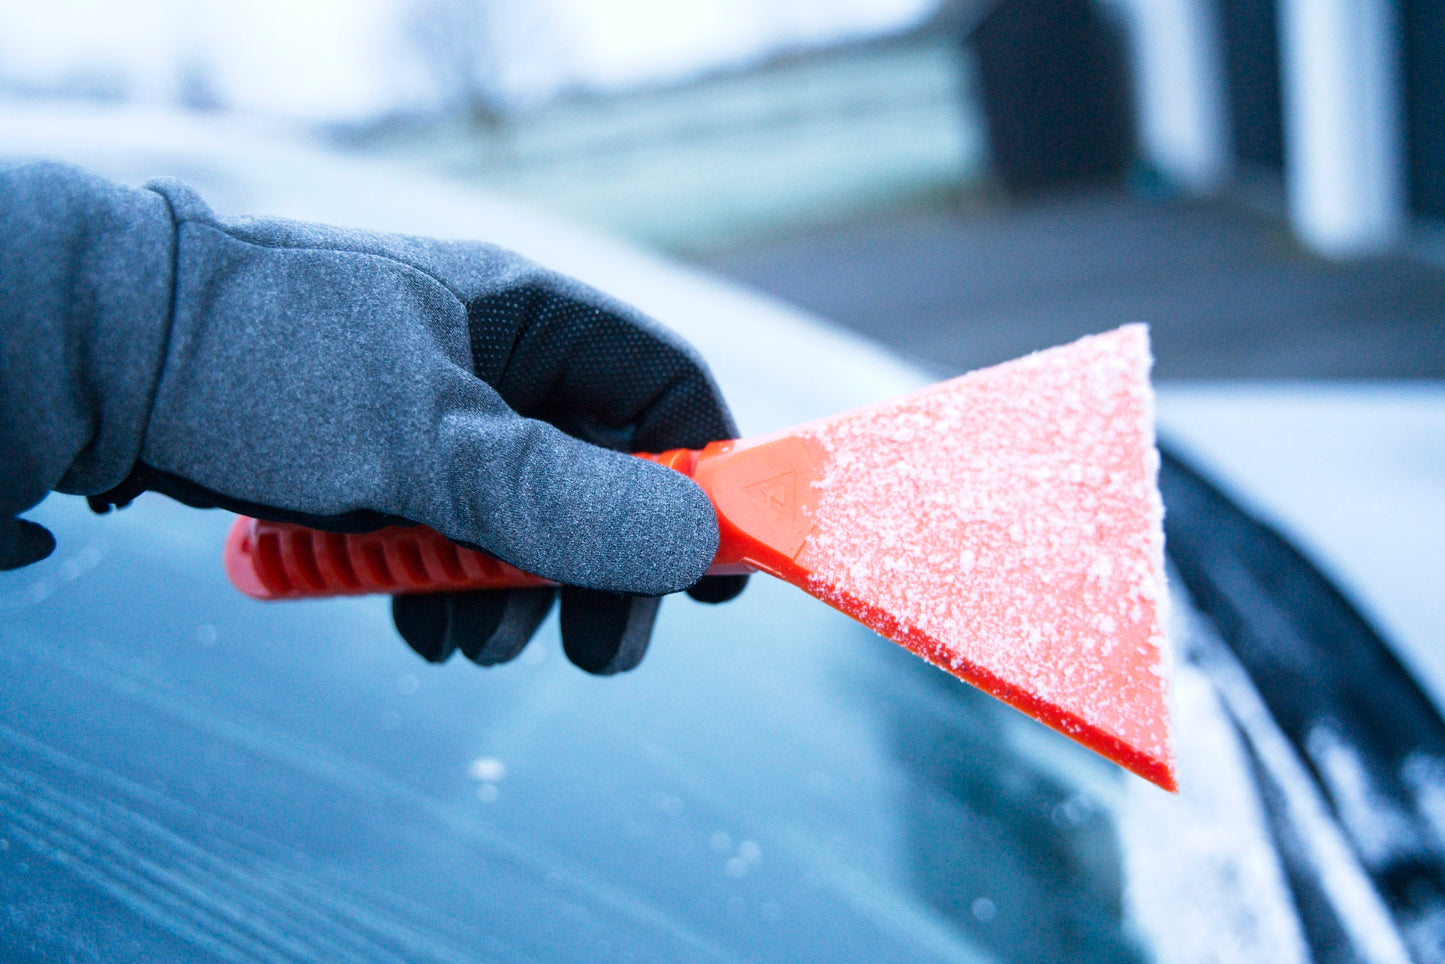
x=189, y=774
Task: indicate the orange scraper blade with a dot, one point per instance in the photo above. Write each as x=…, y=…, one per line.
x=1005, y=525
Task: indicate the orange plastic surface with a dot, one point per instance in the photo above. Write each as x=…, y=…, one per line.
x=1005, y=526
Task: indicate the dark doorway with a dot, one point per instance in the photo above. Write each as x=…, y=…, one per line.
x=1056, y=94
x=1251, y=65
x=1424, y=23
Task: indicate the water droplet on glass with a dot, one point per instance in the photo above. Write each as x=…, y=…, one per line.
x=487, y=768
x=666, y=804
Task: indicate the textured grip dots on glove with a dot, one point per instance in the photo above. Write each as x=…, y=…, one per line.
x=554, y=349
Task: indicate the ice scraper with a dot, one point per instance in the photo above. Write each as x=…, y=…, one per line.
x=1004, y=525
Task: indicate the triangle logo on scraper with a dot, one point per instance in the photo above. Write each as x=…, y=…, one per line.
x=776, y=492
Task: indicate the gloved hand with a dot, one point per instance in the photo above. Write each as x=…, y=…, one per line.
x=346, y=381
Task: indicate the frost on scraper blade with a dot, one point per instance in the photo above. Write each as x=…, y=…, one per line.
x=1007, y=526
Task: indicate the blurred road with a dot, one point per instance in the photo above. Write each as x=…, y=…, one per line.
x=1227, y=292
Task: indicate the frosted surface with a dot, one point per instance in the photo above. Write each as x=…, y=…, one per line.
x=1011, y=518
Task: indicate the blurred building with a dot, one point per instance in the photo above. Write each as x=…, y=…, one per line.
x=1342, y=102
x=1334, y=110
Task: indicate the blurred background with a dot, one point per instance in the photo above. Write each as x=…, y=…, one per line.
x=1263, y=181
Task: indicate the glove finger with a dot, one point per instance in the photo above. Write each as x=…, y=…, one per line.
x=605, y=632
x=23, y=542
x=717, y=589
x=569, y=349
x=488, y=627
x=423, y=621
x=494, y=627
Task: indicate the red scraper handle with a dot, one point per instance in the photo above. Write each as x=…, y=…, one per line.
x=760, y=490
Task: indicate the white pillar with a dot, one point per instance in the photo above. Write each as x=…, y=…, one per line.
x=1344, y=150
x=1179, y=88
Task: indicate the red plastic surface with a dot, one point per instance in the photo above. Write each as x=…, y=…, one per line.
x=275, y=560
x=1005, y=526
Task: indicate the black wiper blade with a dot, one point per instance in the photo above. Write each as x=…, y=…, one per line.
x=1367, y=734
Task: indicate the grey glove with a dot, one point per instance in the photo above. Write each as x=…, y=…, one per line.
x=347, y=380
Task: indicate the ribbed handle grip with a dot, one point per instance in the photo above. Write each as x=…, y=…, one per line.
x=276, y=560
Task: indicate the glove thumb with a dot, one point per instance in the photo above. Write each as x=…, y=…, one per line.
x=573, y=512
